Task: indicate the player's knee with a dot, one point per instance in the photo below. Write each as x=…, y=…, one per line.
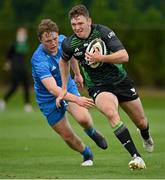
x=72, y=140
x=112, y=114
x=84, y=120
x=68, y=137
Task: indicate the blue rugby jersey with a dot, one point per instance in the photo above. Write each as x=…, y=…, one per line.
x=46, y=65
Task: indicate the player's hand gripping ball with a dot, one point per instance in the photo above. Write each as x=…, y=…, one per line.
x=100, y=45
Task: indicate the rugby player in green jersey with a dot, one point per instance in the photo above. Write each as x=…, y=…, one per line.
x=108, y=83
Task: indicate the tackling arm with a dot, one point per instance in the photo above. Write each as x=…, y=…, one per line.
x=52, y=87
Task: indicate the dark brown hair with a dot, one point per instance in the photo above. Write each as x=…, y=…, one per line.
x=47, y=25
x=78, y=10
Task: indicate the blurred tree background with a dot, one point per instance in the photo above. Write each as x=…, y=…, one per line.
x=139, y=24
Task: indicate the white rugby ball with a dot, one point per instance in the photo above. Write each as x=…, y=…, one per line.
x=100, y=45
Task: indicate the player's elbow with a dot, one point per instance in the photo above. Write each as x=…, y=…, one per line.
x=125, y=56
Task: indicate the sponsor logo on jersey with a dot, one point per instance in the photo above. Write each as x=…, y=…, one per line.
x=77, y=49
x=111, y=34
x=78, y=54
x=85, y=44
x=53, y=68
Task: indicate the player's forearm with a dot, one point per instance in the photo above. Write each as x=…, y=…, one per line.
x=75, y=66
x=68, y=97
x=64, y=70
x=55, y=90
x=118, y=57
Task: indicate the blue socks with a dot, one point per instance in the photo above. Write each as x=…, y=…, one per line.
x=90, y=131
x=87, y=152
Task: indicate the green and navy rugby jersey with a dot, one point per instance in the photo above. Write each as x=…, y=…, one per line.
x=105, y=73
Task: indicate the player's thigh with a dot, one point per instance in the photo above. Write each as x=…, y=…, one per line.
x=79, y=112
x=134, y=110
x=106, y=101
x=63, y=128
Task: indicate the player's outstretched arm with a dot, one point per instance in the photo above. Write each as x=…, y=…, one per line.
x=52, y=87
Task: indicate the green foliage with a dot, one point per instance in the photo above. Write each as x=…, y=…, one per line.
x=96, y=14
x=139, y=25
x=7, y=14
x=52, y=10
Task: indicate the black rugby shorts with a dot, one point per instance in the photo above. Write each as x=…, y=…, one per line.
x=124, y=90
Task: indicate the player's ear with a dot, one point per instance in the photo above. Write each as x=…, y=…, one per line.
x=39, y=38
x=89, y=20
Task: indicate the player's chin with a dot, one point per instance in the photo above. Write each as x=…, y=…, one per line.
x=53, y=50
x=80, y=35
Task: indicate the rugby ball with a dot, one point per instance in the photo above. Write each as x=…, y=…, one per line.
x=100, y=45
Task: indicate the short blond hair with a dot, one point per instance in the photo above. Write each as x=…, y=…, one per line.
x=47, y=25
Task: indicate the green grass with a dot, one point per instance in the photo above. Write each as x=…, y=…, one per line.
x=29, y=148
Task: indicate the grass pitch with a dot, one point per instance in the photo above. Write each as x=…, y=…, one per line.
x=29, y=148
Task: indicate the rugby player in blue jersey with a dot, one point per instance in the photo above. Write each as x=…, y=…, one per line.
x=107, y=80
x=47, y=83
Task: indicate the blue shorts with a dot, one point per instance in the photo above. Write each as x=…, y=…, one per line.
x=54, y=114
x=73, y=89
